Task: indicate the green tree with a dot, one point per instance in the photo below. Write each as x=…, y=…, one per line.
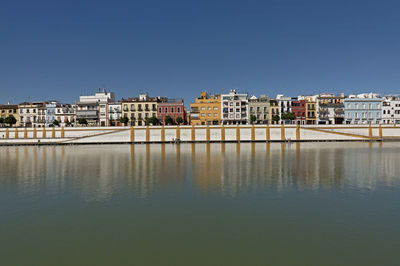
x=56, y=123
x=179, y=120
x=1, y=120
x=68, y=122
x=169, y=120
x=288, y=117
x=152, y=120
x=253, y=119
x=276, y=118
x=10, y=120
x=82, y=121
x=124, y=120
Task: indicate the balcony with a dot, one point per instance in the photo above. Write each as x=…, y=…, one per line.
x=88, y=114
x=339, y=111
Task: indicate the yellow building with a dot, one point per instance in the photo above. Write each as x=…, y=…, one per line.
x=206, y=110
x=138, y=110
x=9, y=109
x=311, y=110
x=273, y=111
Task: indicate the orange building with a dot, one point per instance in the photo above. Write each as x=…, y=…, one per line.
x=206, y=110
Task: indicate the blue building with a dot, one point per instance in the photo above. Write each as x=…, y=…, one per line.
x=50, y=113
x=363, y=109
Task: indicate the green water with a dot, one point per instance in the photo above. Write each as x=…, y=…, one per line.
x=216, y=204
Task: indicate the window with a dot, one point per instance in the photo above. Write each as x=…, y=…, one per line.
x=209, y=108
x=215, y=114
x=203, y=115
x=166, y=109
x=363, y=106
x=356, y=114
x=369, y=114
x=179, y=109
x=378, y=106
x=356, y=105
x=208, y=114
x=348, y=105
x=215, y=108
x=160, y=110
x=172, y=109
x=370, y=106
x=203, y=108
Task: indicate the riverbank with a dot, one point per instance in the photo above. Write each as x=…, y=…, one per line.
x=194, y=134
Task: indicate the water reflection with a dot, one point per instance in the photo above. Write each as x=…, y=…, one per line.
x=100, y=172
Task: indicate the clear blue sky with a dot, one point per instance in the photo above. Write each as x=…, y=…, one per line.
x=62, y=49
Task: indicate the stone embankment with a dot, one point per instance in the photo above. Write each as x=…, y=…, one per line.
x=166, y=134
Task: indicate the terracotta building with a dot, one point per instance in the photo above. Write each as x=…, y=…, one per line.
x=173, y=108
x=299, y=110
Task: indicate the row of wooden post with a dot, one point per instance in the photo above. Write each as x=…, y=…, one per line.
x=379, y=131
x=34, y=133
x=208, y=136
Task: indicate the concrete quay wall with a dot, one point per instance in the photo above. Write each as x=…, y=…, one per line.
x=165, y=134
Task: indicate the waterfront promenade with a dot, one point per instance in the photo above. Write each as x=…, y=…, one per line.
x=167, y=134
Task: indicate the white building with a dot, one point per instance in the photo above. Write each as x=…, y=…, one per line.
x=285, y=103
x=390, y=110
x=330, y=108
x=114, y=113
x=234, y=108
x=94, y=107
x=65, y=114
x=32, y=114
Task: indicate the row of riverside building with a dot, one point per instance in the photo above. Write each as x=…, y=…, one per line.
x=102, y=109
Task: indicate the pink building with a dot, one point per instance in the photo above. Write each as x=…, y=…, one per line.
x=173, y=108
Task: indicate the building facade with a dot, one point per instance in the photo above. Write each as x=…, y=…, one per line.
x=173, y=108
x=114, y=113
x=7, y=110
x=206, y=110
x=50, y=113
x=311, y=110
x=363, y=109
x=234, y=108
x=95, y=105
x=390, y=110
x=330, y=109
x=65, y=114
x=274, y=111
x=139, y=109
x=299, y=110
x=32, y=114
x=259, y=108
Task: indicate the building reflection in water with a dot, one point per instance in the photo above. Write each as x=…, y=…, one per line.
x=100, y=172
